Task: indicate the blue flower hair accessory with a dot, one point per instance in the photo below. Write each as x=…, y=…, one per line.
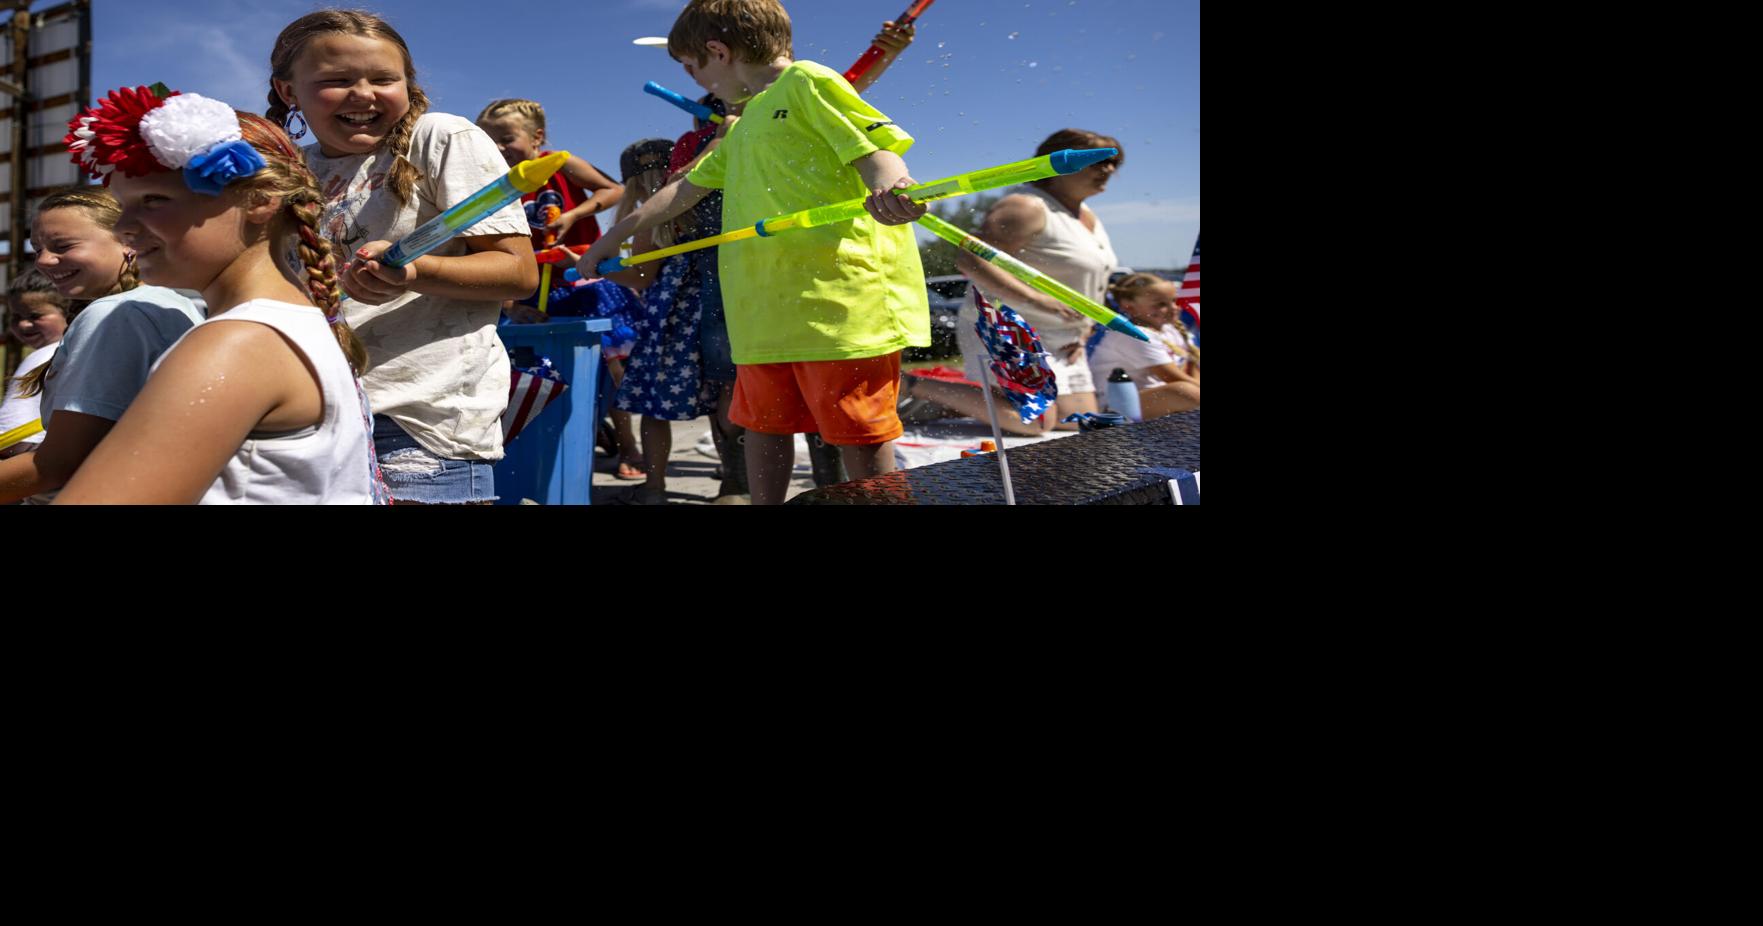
x=210, y=171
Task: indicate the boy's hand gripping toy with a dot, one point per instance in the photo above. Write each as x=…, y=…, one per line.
x=875, y=52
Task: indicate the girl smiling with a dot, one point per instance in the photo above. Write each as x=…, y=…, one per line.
x=437, y=375
x=119, y=327
x=259, y=403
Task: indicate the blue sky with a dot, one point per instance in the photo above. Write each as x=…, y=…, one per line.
x=985, y=81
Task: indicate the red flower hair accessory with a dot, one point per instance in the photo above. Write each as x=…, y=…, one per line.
x=107, y=137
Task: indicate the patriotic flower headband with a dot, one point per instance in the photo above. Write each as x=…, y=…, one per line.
x=145, y=130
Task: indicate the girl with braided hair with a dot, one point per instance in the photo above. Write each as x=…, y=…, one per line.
x=437, y=375
x=258, y=404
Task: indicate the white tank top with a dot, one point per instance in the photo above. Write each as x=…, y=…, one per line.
x=330, y=464
x=1068, y=252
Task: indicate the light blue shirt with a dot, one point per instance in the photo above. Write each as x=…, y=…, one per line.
x=110, y=347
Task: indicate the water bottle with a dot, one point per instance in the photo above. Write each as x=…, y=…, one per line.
x=1123, y=395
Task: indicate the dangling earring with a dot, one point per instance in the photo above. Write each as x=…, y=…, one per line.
x=288, y=124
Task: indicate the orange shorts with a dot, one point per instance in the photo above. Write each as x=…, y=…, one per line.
x=849, y=402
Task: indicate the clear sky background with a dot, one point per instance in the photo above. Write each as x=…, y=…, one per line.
x=983, y=84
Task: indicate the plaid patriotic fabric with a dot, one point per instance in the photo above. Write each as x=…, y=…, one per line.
x=1017, y=359
x=529, y=391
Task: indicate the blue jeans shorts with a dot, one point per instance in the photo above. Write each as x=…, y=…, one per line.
x=416, y=475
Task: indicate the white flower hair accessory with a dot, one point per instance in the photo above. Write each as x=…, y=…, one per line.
x=188, y=125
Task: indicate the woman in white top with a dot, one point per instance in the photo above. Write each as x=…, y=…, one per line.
x=260, y=402
x=1166, y=369
x=1046, y=225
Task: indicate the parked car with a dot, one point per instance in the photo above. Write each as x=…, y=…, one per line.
x=946, y=295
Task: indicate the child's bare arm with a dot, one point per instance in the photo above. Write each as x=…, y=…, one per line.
x=499, y=267
x=882, y=173
x=53, y=463
x=1170, y=373
x=669, y=203
x=1010, y=226
x=603, y=194
x=179, y=433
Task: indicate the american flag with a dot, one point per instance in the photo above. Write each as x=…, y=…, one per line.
x=1188, y=296
x=1017, y=359
x=529, y=391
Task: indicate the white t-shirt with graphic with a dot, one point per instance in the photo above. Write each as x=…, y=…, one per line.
x=435, y=365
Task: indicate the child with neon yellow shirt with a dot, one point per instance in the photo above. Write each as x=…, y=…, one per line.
x=816, y=322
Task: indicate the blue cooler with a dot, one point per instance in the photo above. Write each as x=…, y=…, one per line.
x=551, y=461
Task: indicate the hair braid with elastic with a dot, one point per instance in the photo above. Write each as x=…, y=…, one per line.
x=321, y=279
x=403, y=175
x=529, y=112
x=286, y=175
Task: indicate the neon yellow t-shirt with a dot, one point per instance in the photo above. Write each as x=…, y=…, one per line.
x=834, y=292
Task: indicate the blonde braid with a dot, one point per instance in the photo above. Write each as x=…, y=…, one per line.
x=403, y=175
x=285, y=174
x=529, y=111
x=321, y=278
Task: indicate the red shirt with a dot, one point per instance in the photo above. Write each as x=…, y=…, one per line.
x=584, y=232
x=688, y=147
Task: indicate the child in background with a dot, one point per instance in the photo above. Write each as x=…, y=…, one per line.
x=716, y=366
x=36, y=314
x=817, y=323
x=437, y=375
x=518, y=129
x=258, y=404
x=628, y=314
x=663, y=381
x=118, y=330
x=1166, y=370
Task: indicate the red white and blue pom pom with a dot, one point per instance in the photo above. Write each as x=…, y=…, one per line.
x=146, y=130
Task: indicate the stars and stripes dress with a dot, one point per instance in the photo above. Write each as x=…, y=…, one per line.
x=663, y=378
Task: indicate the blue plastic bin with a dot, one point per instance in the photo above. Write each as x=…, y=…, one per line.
x=551, y=461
